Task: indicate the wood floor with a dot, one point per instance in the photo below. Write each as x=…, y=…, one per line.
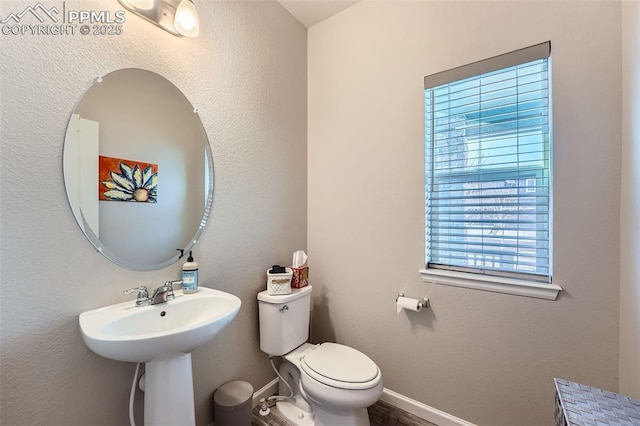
x=380, y=414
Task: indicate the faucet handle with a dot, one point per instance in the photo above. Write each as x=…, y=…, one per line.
x=143, y=294
x=169, y=287
x=140, y=289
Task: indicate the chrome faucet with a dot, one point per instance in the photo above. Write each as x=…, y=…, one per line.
x=162, y=294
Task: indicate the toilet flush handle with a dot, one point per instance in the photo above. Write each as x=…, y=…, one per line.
x=284, y=309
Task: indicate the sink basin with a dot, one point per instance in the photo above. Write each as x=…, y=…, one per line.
x=124, y=332
x=162, y=336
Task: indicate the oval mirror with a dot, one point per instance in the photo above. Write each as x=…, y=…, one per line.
x=138, y=169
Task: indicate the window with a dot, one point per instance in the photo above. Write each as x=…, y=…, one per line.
x=488, y=167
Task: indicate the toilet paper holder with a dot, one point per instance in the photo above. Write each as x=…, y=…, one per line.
x=423, y=303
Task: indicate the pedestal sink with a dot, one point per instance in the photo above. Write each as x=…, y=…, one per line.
x=162, y=336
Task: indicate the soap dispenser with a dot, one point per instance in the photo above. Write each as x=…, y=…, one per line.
x=190, y=275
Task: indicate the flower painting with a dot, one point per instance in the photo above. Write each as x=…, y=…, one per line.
x=127, y=180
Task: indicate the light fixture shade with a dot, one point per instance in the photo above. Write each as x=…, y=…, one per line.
x=186, y=20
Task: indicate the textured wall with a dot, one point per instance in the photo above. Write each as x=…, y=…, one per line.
x=246, y=73
x=486, y=357
x=630, y=203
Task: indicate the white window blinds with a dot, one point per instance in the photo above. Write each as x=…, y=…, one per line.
x=488, y=166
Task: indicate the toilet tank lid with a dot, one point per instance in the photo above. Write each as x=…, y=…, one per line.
x=296, y=293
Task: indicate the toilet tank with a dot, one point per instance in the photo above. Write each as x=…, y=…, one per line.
x=284, y=320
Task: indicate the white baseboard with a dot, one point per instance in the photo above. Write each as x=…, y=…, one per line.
x=266, y=391
x=409, y=405
x=421, y=410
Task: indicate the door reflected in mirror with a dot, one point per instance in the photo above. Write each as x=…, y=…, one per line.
x=138, y=169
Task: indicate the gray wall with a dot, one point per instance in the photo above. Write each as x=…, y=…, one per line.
x=485, y=357
x=246, y=73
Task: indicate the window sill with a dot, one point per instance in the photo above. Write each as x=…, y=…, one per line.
x=489, y=283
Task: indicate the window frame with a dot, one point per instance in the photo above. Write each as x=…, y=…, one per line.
x=509, y=283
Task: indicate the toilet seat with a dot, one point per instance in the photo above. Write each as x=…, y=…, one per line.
x=341, y=367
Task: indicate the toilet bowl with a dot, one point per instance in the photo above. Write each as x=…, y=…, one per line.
x=332, y=384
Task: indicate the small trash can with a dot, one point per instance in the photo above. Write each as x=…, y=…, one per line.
x=232, y=404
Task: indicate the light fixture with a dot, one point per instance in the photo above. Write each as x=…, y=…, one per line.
x=179, y=17
x=186, y=21
x=141, y=4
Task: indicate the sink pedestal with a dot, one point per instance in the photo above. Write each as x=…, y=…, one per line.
x=162, y=335
x=168, y=397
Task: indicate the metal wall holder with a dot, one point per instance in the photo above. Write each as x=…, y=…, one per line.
x=423, y=303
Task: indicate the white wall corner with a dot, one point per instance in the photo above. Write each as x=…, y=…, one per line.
x=629, y=346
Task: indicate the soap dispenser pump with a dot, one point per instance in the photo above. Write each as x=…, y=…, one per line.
x=190, y=275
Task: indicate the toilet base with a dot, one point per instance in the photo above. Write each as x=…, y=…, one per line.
x=357, y=417
x=295, y=414
x=299, y=417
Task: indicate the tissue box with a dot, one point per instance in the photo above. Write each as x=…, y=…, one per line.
x=300, y=277
x=279, y=283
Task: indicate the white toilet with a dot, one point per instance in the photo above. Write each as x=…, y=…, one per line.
x=332, y=384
